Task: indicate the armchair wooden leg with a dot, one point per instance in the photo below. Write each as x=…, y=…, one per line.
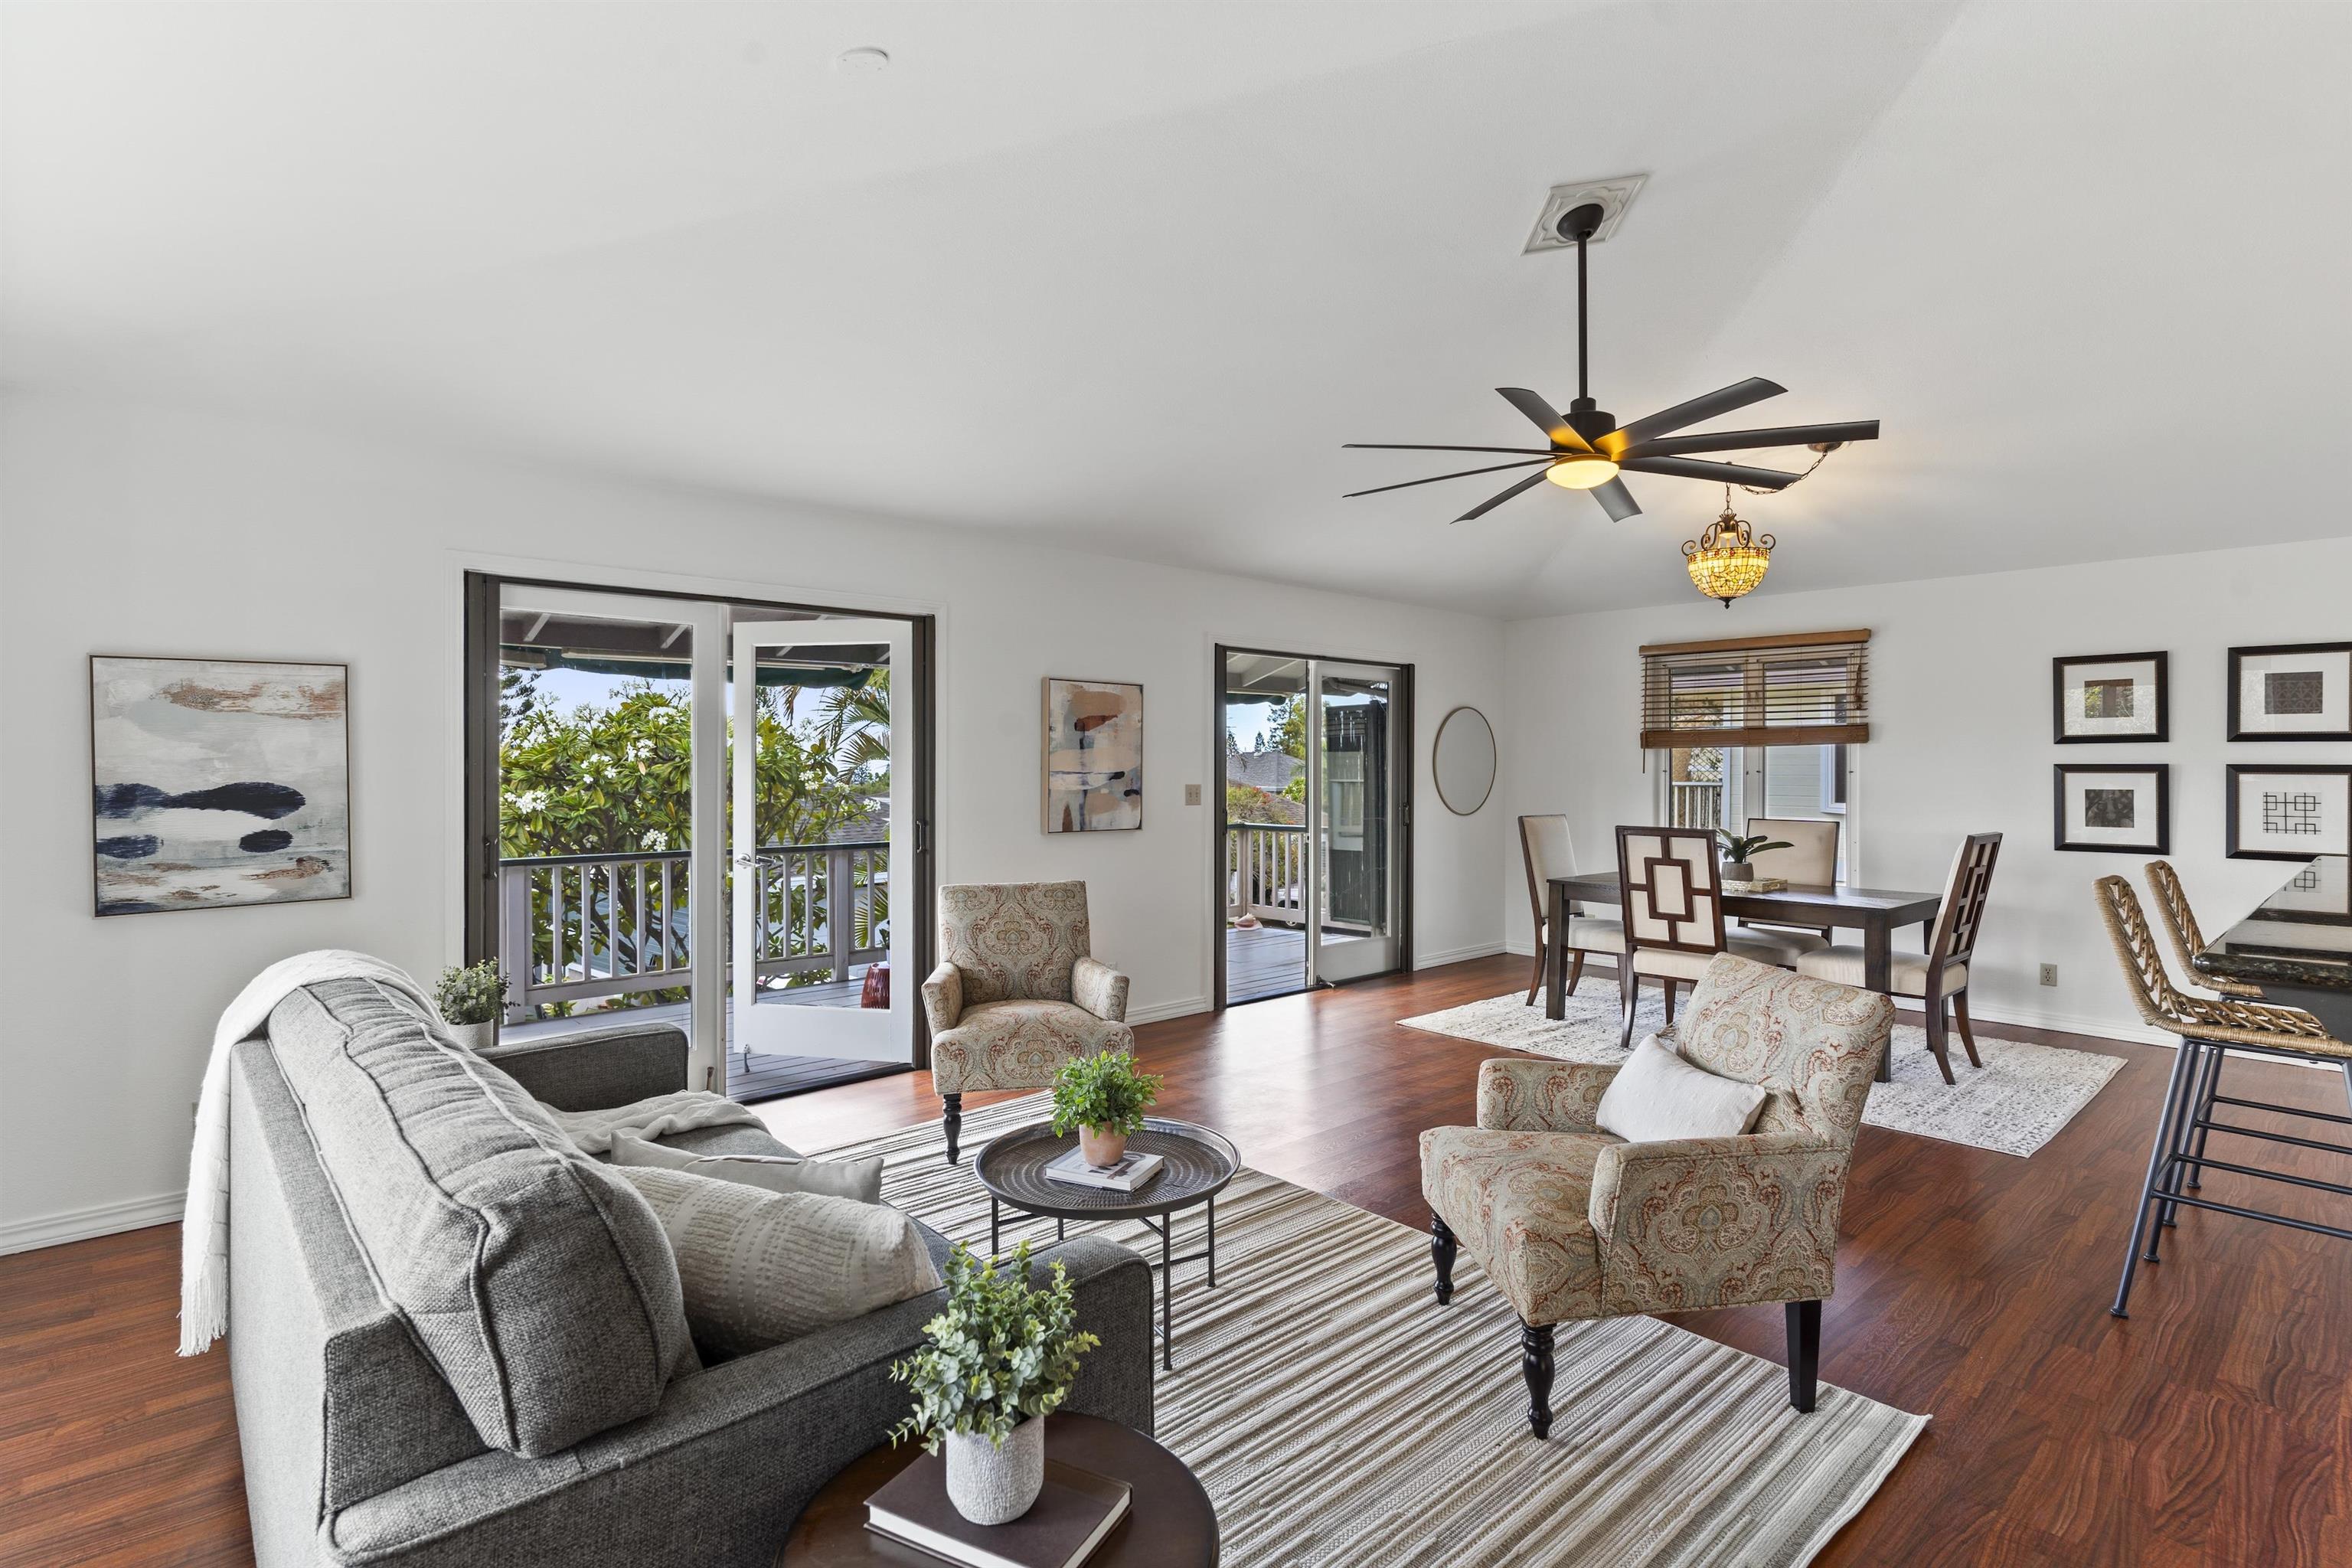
x=1968, y=1035
x=1442, y=1249
x=1804, y=1354
x=1575, y=968
x=955, y=1120
x=1938, y=1034
x=1535, y=1363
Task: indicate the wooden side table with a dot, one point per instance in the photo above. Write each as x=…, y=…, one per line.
x=1168, y=1521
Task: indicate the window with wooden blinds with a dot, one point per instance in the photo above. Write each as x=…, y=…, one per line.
x=1799, y=689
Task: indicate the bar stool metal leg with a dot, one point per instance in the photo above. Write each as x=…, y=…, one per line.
x=2176, y=1102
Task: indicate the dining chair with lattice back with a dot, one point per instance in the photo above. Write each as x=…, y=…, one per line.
x=1670, y=886
x=1546, y=848
x=2209, y=1027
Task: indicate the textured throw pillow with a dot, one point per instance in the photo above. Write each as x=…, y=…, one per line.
x=860, y=1180
x=762, y=1267
x=1657, y=1096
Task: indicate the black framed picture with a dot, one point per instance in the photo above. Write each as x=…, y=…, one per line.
x=2113, y=808
x=2109, y=698
x=2289, y=811
x=2291, y=691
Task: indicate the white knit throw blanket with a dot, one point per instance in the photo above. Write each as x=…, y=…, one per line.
x=203, y=1229
x=659, y=1117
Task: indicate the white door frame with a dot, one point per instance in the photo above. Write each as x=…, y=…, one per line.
x=853, y=1031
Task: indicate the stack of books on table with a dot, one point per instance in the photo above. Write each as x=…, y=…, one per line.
x=1068, y=1520
x=1130, y=1172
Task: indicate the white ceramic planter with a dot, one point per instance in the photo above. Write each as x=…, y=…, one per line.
x=989, y=1485
x=476, y=1036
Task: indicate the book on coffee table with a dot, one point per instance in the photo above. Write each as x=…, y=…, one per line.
x=1072, y=1514
x=1130, y=1170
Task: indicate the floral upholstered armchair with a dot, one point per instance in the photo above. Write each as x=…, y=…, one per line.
x=1016, y=993
x=1571, y=1222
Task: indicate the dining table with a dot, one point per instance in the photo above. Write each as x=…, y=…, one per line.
x=1877, y=912
x=2296, y=946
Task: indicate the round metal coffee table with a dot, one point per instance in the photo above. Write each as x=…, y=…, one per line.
x=1196, y=1165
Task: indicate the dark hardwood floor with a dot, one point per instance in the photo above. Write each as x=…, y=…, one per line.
x=2214, y=1427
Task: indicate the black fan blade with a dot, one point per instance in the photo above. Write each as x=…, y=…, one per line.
x=1721, y=473
x=1546, y=416
x=1616, y=499
x=1491, y=502
x=1715, y=404
x=1416, y=447
x=1747, y=440
x=1464, y=474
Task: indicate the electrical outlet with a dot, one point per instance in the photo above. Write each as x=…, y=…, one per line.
x=1192, y=795
x=2049, y=974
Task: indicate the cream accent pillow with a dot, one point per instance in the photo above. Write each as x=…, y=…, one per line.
x=763, y=1267
x=1657, y=1096
x=857, y=1179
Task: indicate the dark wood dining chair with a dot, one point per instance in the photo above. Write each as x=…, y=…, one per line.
x=1939, y=976
x=1670, y=889
x=1545, y=847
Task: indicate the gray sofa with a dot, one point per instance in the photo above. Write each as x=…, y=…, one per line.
x=359, y=1448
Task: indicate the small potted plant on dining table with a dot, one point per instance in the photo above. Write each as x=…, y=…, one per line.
x=1103, y=1097
x=1738, y=846
x=1001, y=1357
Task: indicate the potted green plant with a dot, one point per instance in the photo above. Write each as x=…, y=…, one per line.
x=1001, y=1356
x=1103, y=1097
x=1738, y=846
x=472, y=997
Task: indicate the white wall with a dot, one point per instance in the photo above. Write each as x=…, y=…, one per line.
x=131, y=529
x=1960, y=741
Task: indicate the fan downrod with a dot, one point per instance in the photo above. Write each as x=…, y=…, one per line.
x=1587, y=418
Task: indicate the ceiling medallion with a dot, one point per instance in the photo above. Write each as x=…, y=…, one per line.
x=1728, y=559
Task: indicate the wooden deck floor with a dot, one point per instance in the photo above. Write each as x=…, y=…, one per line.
x=1267, y=962
x=2210, y=1430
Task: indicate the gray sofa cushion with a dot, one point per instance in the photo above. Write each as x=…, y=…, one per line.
x=539, y=1282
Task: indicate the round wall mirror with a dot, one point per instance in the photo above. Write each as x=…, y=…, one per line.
x=1465, y=762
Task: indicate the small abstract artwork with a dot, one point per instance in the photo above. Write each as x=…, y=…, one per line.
x=2291, y=691
x=1094, y=755
x=2108, y=697
x=218, y=781
x=2108, y=807
x=2122, y=808
x=2289, y=811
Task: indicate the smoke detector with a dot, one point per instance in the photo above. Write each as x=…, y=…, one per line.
x=1614, y=196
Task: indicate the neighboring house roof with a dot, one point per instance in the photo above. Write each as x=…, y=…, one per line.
x=1262, y=770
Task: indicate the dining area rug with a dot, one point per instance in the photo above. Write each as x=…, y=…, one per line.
x=2021, y=1098
x=1336, y=1413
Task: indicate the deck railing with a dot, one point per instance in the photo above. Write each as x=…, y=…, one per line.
x=1695, y=803
x=599, y=926
x=1266, y=871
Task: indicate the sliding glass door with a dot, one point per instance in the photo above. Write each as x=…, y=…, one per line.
x=1354, y=821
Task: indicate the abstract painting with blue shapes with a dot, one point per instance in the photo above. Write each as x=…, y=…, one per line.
x=218, y=781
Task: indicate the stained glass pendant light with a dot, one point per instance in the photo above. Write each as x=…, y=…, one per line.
x=1729, y=558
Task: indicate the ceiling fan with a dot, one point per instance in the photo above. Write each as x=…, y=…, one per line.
x=1589, y=451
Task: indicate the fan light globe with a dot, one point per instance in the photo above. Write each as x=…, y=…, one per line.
x=1582, y=473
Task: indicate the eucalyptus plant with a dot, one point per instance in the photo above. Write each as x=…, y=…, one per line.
x=1738, y=848
x=1104, y=1093
x=1002, y=1351
x=472, y=994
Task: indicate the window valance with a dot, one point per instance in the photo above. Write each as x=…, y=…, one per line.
x=1796, y=688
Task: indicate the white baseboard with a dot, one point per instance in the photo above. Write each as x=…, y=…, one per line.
x=1162, y=1010
x=99, y=1219
x=1457, y=954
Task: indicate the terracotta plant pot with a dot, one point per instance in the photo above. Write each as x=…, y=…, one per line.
x=1102, y=1149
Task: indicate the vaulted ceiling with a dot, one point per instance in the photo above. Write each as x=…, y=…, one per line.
x=1124, y=277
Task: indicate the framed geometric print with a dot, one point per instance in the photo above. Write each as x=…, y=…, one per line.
x=2291, y=691
x=2109, y=698
x=2289, y=811
x=216, y=781
x=2113, y=808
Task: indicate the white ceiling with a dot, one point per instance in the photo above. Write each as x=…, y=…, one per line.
x=1124, y=276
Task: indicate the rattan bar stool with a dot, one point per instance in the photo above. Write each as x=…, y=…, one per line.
x=2209, y=1027
x=2188, y=936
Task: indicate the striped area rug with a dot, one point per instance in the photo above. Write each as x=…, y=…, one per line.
x=1338, y=1414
